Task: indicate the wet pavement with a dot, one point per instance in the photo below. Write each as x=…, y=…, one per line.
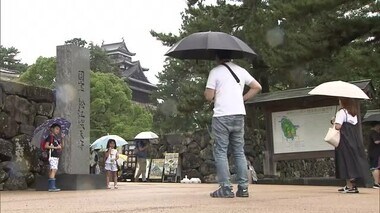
x=183, y=198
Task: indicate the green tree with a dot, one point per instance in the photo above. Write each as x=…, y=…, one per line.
x=8, y=59
x=42, y=73
x=182, y=82
x=99, y=60
x=112, y=110
x=299, y=42
x=77, y=41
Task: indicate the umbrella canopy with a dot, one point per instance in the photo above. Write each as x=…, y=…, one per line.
x=203, y=46
x=372, y=118
x=101, y=143
x=146, y=135
x=121, y=159
x=339, y=89
x=43, y=130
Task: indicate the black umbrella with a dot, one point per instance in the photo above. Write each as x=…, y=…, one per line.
x=372, y=118
x=203, y=46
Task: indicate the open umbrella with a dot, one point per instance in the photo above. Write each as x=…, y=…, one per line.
x=121, y=159
x=339, y=89
x=372, y=118
x=203, y=45
x=101, y=143
x=43, y=130
x=146, y=135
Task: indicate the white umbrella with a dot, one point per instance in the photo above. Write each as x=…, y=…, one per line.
x=146, y=135
x=101, y=143
x=339, y=89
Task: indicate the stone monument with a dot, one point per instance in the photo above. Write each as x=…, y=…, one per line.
x=73, y=103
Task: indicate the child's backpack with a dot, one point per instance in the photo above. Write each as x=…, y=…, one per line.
x=44, y=153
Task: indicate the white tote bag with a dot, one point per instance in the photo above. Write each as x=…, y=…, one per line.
x=333, y=136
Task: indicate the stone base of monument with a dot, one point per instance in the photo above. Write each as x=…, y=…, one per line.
x=73, y=182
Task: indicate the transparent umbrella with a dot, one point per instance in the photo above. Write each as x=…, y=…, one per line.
x=101, y=143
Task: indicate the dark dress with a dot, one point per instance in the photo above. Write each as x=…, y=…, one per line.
x=350, y=157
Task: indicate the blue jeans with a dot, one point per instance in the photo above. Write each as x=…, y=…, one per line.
x=229, y=130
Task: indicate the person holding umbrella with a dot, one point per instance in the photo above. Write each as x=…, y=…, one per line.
x=225, y=87
x=49, y=136
x=141, y=153
x=374, y=152
x=142, y=140
x=110, y=165
x=54, y=145
x=350, y=157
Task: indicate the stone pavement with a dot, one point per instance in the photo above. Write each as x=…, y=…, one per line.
x=183, y=198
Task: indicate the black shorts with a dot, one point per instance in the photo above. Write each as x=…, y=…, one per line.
x=374, y=162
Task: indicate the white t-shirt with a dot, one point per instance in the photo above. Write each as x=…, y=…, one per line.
x=341, y=116
x=228, y=93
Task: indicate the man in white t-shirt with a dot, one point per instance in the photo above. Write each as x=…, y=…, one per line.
x=225, y=89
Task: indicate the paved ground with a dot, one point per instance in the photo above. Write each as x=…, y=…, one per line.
x=183, y=198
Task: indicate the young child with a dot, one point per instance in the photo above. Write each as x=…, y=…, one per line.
x=54, y=145
x=111, y=162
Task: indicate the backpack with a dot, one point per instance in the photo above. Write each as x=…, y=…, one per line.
x=44, y=153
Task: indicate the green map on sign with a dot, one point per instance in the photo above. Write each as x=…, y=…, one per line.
x=288, y=128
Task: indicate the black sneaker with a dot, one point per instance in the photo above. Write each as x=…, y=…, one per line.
x=352, y=190
x=242, y=192
x=376, y=186
x=223, y=192
x=344, y=189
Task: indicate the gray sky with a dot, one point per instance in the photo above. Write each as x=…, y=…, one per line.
x=36, y=27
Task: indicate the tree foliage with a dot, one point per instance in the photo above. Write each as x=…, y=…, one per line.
x=112, y=110
x=182, y=82
x=300, y=43
x=99, y=60
x=42, y=73
x=9, y=60
x=77, y=42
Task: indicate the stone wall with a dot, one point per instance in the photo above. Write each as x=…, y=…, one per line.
x=197, y=159
x=22, y=109
x=324, y=167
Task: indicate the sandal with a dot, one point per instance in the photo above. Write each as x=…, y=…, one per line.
x=115, y=187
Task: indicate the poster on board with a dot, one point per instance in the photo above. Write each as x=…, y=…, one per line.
x=301, y=130
x=156, y=169
x=171, y=163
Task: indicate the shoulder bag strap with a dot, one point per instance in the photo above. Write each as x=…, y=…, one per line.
x=346, y=114
x=232, y=73
x=51, y=140
x=50, y=143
